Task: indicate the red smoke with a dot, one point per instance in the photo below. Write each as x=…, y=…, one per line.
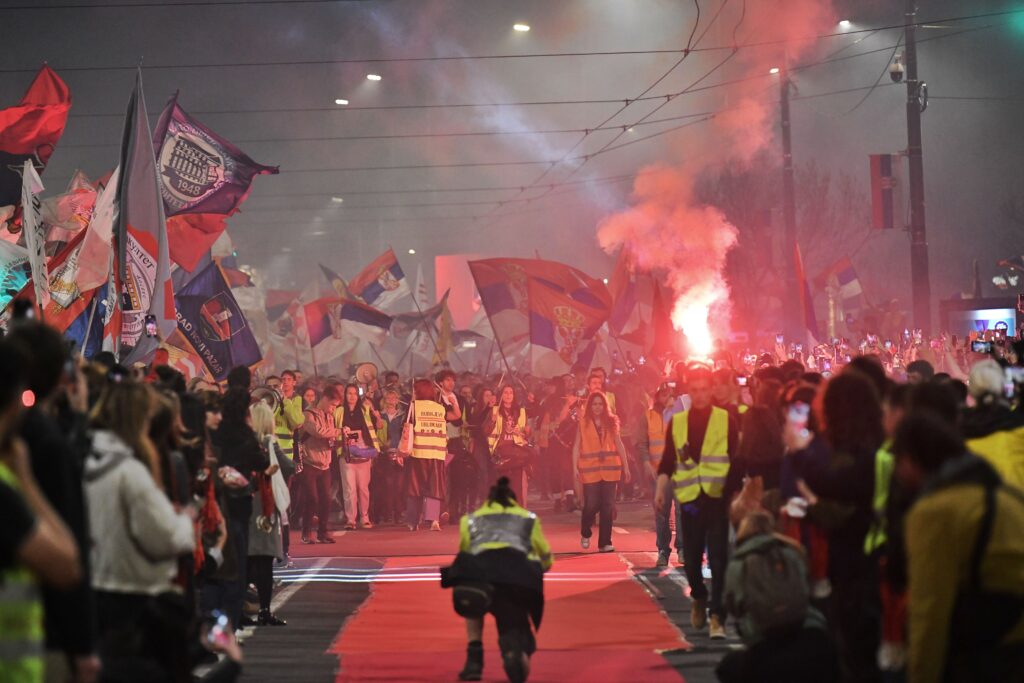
x=667, y=230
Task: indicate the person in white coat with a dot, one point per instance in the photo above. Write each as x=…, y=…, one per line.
x=137, y=534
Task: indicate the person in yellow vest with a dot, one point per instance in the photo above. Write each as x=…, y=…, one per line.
x=288, y=416
x=36, y=546
x=503, y=555
x=424, y=482
x=599, y=463
x=507, y=435
x=695, y=465
x=990, y=427
x=359, y=422
x=651, y=448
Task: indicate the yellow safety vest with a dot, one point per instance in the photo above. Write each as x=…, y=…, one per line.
x=655, y=435
x=610, y=398
x=339, y=419
x=742, y=408
x=492, y=527
x=599, y=458
x=21, y=618
x=430, y=431
x=884, y=465
x=287, y=419
x=499, y=426
x=1004, y=450
x=710, y=473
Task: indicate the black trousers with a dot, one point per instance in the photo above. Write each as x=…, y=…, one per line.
x=807, y=656
x=317, y=485
x=511, y=609
x=261, y=573
x=706, y=525
x=598, y=501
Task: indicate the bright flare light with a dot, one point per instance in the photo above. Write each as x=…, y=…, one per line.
x=412, y=251
x=692, y=319
x=373, y=77
x=522, y=28
x=773, y=70
x=341, y=101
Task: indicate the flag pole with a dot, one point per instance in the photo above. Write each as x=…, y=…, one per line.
x=501, y=350
x=88, y=327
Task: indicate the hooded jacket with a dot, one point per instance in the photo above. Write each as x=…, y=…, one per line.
x=136, y=534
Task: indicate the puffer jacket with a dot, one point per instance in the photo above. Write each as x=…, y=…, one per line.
x=136, y=534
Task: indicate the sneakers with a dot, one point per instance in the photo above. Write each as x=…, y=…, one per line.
x=325, y=539
x=514, y=660
x=584, y=542
x=307, y=540
x=350, y=526
x=716, y=631
x=268, y=618
x=474, y=668
x=435, y=526
x=367, y=524
x=607, y=548
x=699, y=614
x=662, y=560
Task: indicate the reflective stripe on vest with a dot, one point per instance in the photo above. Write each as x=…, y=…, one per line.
x=710, y=473
x=599, y=458
x=501, y=530
x=285, y=436
x=21, y=618
x=884, y=465
x=499, y=425
x=655, y=435
x=430, y=431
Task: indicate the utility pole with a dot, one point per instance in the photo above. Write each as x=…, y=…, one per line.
x=792, y=295
x=916, y=99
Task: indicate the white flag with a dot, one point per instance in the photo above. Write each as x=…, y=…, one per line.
x=35, y=237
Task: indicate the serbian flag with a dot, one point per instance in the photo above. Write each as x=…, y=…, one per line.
x=382, y=282
x=562, y=324
x=30, y=130
x=885, y=187
x=200, y=172
x=144, y=267
x=214, y=325
x=502, y=284
x=806, y=301
x=277, y=302
x=842, y=276
x=323, y=322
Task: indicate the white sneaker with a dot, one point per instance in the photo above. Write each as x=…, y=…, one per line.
x=584, y=542
x=435, y=526
x=607, y=548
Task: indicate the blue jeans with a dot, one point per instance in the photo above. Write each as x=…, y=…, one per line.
x=663, y=532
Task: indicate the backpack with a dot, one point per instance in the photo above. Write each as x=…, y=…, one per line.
x=769, y=591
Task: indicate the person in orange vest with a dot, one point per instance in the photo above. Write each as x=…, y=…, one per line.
x=650, y=448
x=599, y=463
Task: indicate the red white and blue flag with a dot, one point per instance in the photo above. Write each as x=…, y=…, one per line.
x=843, y=277
x=563, y=323
x=200, y=172
x=335, y=326
x=806, y=300
x=381, y=283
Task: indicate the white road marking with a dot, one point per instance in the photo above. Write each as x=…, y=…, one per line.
x=285, y=595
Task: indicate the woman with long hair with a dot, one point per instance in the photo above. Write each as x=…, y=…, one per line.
x=134, y=557
x=268, y=511
x=507, y=435
x=483, y=401
x=424, y=484
x=502, y=555
x=599, y=464
x=359, y=423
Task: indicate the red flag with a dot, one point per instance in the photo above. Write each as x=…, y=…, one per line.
x=191, y=235
x=31, y=129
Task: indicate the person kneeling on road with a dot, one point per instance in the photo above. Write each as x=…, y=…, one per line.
x=500, y=570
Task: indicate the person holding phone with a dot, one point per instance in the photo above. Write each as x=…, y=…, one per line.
x=359, y=423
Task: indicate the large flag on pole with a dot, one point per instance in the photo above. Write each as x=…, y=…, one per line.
x=144, y=268
x=35, y=231
x=382, y=282
x=210, y=319
x=200, y=172
x=93, y=268
x=337, y=282
x=30, y=130
x=806, y=301
x=563, y=321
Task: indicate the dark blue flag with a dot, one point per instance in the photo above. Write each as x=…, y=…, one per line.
x=212, y=322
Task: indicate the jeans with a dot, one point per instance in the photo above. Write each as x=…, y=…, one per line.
x=706, y=524
x=317, y=485
x=662, y=530
x=357, y=491
x=598, y=501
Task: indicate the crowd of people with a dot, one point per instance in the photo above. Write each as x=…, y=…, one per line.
x=145, y=512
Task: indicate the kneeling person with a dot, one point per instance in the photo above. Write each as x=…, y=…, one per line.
x=500, y=570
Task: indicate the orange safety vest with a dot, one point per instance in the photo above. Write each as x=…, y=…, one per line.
x=599, y=458
x=655, y=435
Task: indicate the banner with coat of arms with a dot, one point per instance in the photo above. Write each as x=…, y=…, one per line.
x=200, y=172
x=213, y=324
x=562, y=323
